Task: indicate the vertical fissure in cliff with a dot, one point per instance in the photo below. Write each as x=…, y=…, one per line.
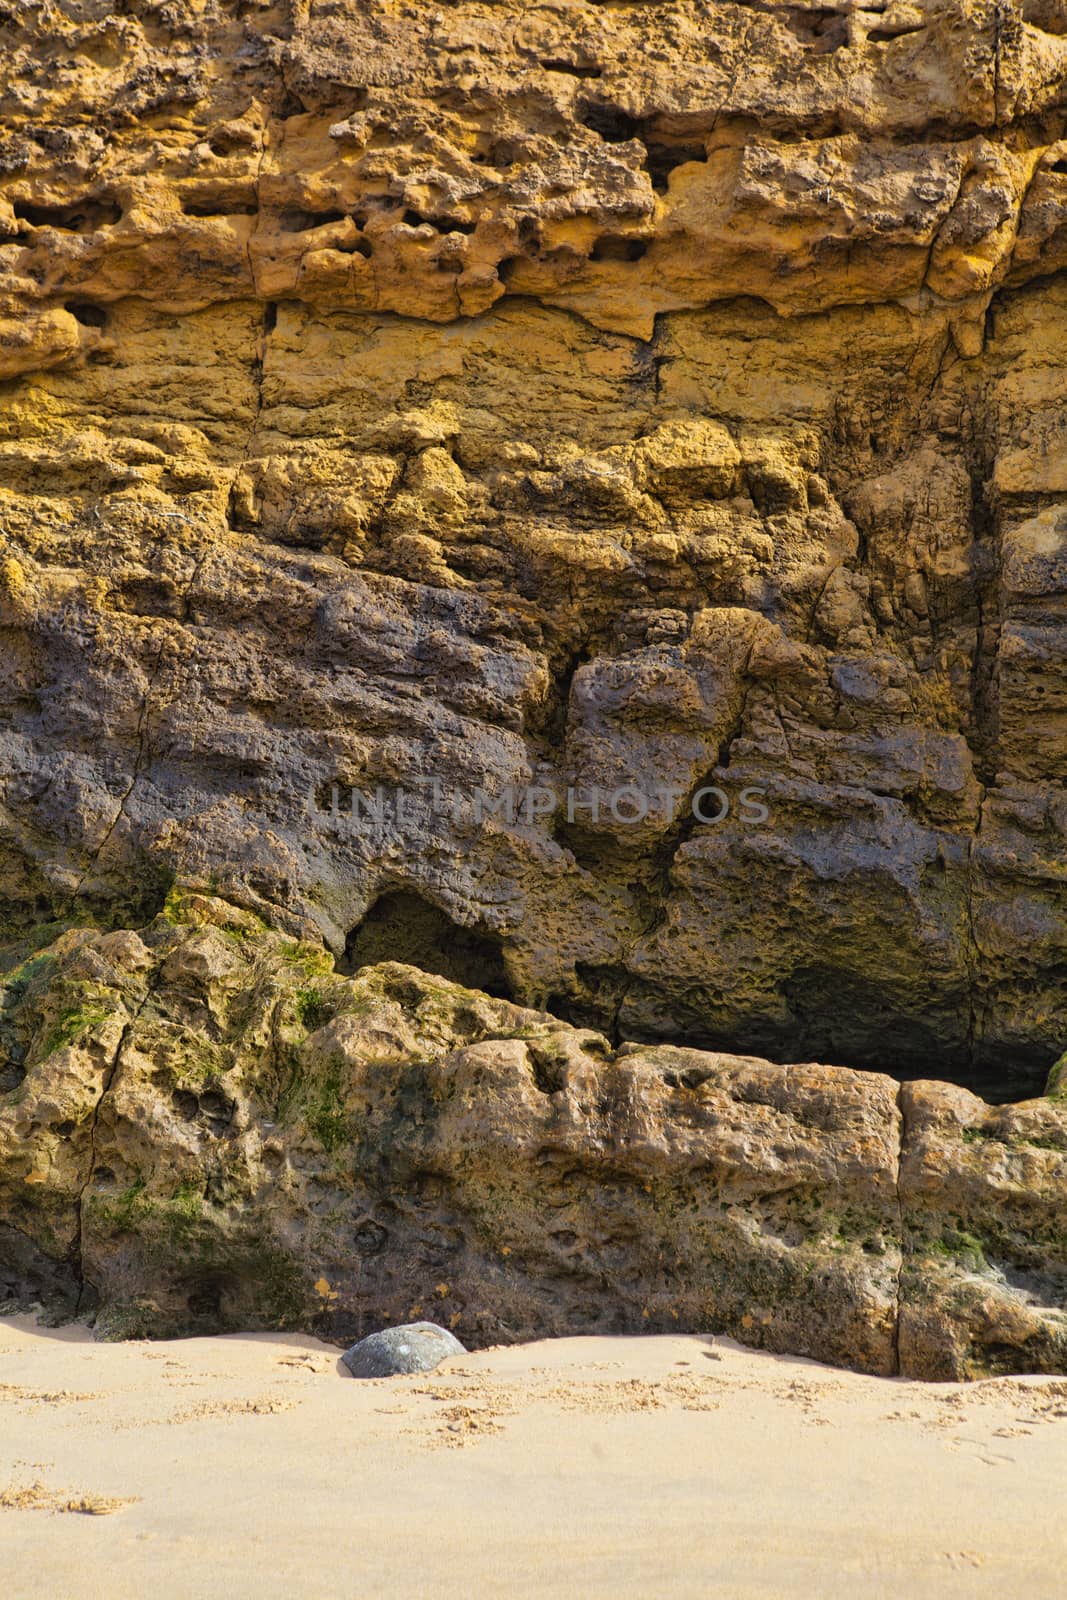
x=77, y=1257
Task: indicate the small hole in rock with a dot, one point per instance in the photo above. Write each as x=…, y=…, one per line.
x=825, y=30
x=613, y=125
x=296, y=221
x=219, y=205
x=369, y=1238
x=663, y=158
x=221, y=144
x=613, y=247
x=87, y=314
x=185, y=1104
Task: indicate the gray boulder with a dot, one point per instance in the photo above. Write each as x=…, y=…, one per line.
x=413, y=1347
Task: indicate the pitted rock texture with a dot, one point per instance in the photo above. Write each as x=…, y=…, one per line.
x=574, y=396
x=618, y=160
x=206, y=1127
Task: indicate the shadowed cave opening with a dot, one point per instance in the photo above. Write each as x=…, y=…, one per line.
x=402, y=926
x=833, y=1017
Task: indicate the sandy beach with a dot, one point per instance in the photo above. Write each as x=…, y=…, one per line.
x=660, y=1466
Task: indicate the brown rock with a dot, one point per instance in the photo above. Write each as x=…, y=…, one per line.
x=982, y=1190
x=212, y=1130
x=446, y=413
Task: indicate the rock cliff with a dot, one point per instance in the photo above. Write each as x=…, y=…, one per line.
x=206, y=1127
x=421, y=427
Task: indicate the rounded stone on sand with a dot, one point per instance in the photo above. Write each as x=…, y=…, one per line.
x=413, y=1347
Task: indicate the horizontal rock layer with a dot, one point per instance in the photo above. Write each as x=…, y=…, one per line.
x=203, y=1126
x=617, y=160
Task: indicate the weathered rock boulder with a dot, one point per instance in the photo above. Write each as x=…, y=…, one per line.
x=413, y=1347
x=203, y=1126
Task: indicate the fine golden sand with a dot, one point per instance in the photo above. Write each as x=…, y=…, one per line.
x=662, y=1466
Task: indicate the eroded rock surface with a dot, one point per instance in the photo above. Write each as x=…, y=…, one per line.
x=450, y=411
x=211, y=1129
x=571, y=396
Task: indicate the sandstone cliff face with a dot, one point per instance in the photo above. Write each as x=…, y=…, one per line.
x=571, y=394
x=561, y=397
x=211, y=1129
x=577, y=395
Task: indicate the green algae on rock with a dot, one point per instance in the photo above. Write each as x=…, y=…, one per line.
x=581, y=397
x=213, y=1150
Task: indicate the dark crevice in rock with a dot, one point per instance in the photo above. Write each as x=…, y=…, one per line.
x=551, y=719
x=901, y=31
x=985, y=523
x=902, y=1136
x=571, y=69
x=296, y=221
x=664, y=150
x=596, y=1001
x=833, y=1017
x=616, y=247
x=87, y=1291
x=88, y=314
x=415, y=219
x=268, y=323
x=548, y=1065
x=613, y=125
x=239, y=204
x=402, y=926
x=648, y=358
x=84, y=216
x=663, y=156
